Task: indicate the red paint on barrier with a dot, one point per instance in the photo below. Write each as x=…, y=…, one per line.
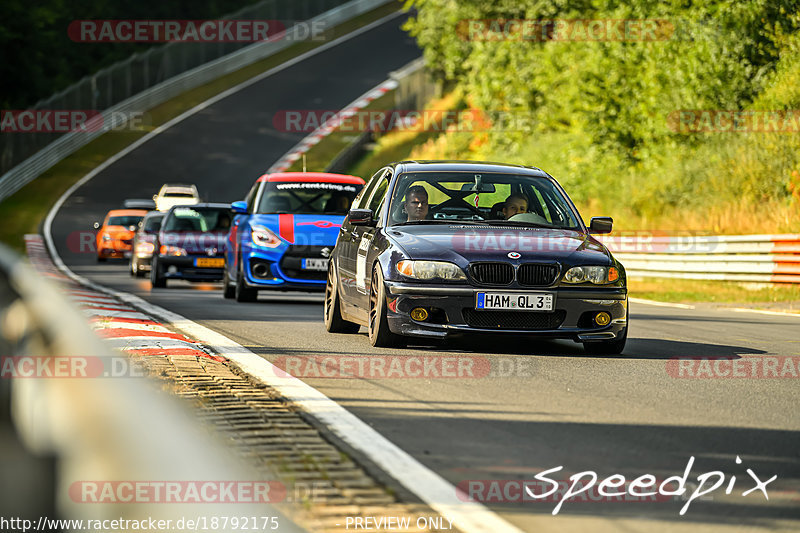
x=126, y=332
x=175, y=351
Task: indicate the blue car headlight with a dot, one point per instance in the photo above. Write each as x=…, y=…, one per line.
x=263, y=236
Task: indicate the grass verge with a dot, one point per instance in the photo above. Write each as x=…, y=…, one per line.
x=756, y=295
x=24, y=211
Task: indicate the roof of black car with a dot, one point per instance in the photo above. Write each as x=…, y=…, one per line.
x=469, y=166
x=189, y=206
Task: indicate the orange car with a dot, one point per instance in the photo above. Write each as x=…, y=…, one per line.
x=115, y=236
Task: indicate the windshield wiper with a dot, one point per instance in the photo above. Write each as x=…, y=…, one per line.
x=425, y=221
x=453, y=222
x=521, y=224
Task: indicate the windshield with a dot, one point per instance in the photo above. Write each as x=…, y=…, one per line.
x=431, y=197
x=129, y=220
x=307, y=198
x=171, y=194
x=186, y=219
x=152, y=223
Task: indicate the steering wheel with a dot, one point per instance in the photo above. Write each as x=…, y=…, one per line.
x=438, y=208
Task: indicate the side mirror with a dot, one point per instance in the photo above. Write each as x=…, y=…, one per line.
x=601, y=225
x=155, y=197
x=240, y=207
x=361, y=217
x=96, y=225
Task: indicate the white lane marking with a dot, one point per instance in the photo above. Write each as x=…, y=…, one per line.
x=114, y=314
x=128, y=325
x=141, y=343
x=104, y=305
x=424, y=483
x=73, y=295
x=765, y=312
x=660, y=304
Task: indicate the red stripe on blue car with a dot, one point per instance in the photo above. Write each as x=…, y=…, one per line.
x=286, y=227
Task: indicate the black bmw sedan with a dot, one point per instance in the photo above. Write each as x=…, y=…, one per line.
x=435, y=248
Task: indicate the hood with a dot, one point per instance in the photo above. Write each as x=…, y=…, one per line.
x=468, y=243
x=119, y=231
x=302, y=230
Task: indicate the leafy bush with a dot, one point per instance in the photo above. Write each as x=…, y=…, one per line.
x=604, y=111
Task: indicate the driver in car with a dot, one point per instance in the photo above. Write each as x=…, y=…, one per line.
x=416, y=204
x=515, y=204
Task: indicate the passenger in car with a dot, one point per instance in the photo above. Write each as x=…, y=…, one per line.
x=416, y=204
x=515, y=204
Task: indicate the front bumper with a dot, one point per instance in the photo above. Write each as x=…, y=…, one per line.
x=452, y=311
x=143, y=262
x=114, y=249
x=177, y=267
x=264, y=270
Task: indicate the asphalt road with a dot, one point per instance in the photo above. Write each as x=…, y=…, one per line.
x=544, y=404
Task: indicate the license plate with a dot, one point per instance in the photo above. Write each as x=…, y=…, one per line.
x=315, y=264
x=507, y=301
x=209, y=262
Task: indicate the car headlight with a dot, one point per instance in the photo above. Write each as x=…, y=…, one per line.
x=144, y=248
x=598, y=275
x=265, y=237
x=176, y=251
x=106, y=237
x=430, y=270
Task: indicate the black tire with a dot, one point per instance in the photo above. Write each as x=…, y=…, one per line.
x=229, y=289
x=334, y=322
x=101, y=259
x=242, y=292
x=156, y=279
x=132, y=268
x=609, y=347
x=379, y=333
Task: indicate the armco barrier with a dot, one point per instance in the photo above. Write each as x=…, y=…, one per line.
x=111, y=429
x=750, y=258
x=66, y=144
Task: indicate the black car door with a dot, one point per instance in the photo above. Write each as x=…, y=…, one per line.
x=364, y=249
x=347, y=243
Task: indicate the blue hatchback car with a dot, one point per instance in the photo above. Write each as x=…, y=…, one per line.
x=284, y=232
